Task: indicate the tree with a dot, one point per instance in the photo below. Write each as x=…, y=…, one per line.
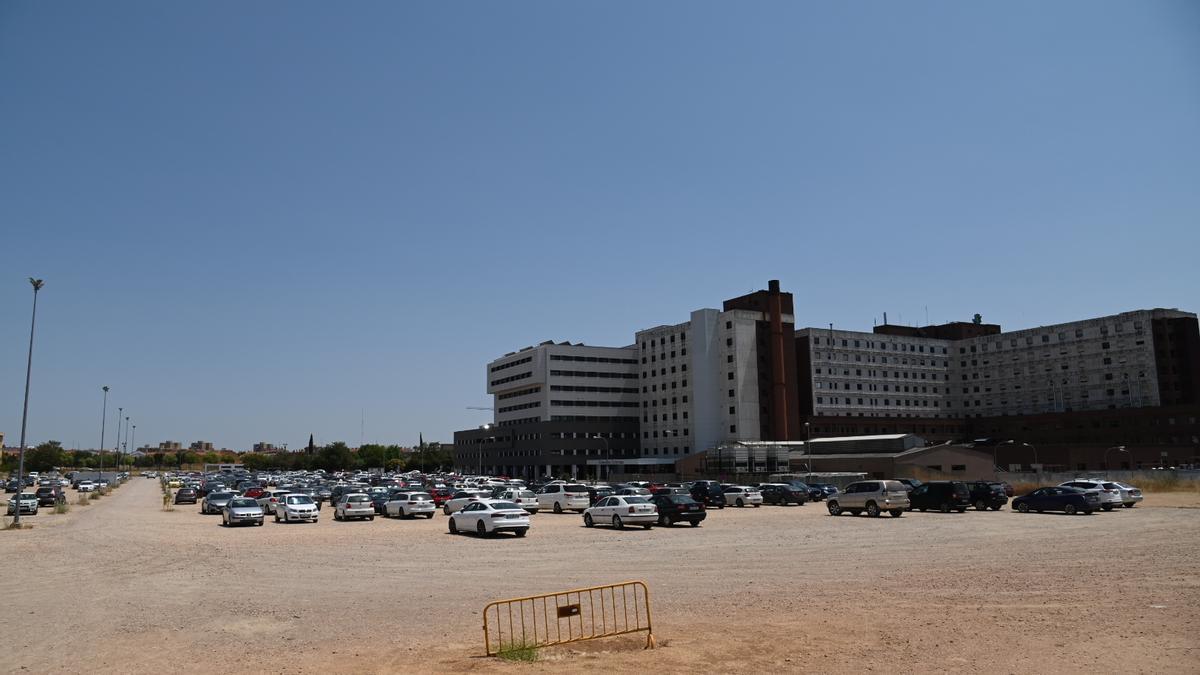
x=371, y=456
x=44, y=457
x=335, y=457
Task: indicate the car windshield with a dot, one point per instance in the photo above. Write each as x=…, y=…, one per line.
x=299, y=499
x=358, y=498
x=503, y=506
x=243, y=503
x=636, y=500
x=419, y=497
x=681, y=499
x=220, y=495
x=575, y=488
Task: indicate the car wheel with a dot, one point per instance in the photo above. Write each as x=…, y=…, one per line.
x=224, y=521
x=740, y=503
x=557, y=507
x=259, y=522
x=896, y=513
x=855, y=512
x=663, y=520
x=371, y=517
x=981, y=505
x=1129, y=506
x=834, y=508
x=694, y=523
x=1107, y=507
x=758, y=505
x=872, y=509
x=961, y=509
x=429, y=516
x=646, y=525
x=520, y=531
x=1070, y=509
x=617, y=523
x=587, y=520
x=453, y=527
x=1088, y=512
x=480, y=528
x=1023, y=508
x=336, y=516
x=446, y=510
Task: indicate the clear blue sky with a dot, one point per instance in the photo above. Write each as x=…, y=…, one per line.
x=261, y=220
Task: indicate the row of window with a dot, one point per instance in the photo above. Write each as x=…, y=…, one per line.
x=858, y=358
x=592, y=418
x=520, y=392
x=674, y=416
x=512, y=378
x=858, y=386
x=896, y=374
x=654, y=387
x=597, y=390
x=590, y=359
x=595, y=404
x=655, y=372
x=1045, y=338
x=653, y=403
x=512, y=364
x=667, y=433
x=664, y=357
x=523, y=406
x=593, y=373
x=885, y=402
x=662, y=342
x=881, y=345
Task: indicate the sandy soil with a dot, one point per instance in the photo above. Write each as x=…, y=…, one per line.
x=121, y=586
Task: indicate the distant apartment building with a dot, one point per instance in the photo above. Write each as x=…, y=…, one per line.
x=564, y=382
x=201, y=446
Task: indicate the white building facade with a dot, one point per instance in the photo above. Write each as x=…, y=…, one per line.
x=565, y=382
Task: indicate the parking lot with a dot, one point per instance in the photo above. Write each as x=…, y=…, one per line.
x=121, y=586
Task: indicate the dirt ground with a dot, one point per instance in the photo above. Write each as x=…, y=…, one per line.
x=121, y=586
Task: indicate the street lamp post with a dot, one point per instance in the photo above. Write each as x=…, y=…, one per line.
x=607, y=457
x=1012, y=442
x=37, y=286
x=808, y=447
x=103, y=421
x=125, y=449
x=120, y=412
x=1118, y=448
x=134, y=432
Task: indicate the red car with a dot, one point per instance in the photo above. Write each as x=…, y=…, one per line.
x=254, y=492
x=440, y=495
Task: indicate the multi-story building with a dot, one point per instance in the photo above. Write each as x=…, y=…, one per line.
x=723, y=376
x=564, y=382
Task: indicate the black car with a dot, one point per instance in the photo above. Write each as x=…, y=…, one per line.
x=379, y=498
x=988, y=495
x=1069, y=500
x=783, y=494
x=943, y=495
x=823, y=490
x=48, y=496
x=910, y=484
x=339, y=490
x=185, y=495
x=595, y=494
x=673, y=508
x=708, y=493
x=12, y=486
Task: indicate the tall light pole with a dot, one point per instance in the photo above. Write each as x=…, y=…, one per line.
x=125, y=450
x=120, y=412
x=103, y=421
x=134, y=437
x=808, y=447
x=1118, y=448
x=37, y=286
x=607, y=456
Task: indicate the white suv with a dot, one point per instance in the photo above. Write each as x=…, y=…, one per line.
x=872, y=496
x=560, y=497
x=1110, y=497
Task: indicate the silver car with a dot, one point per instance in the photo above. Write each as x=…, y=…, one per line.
x=354, y=505
x=240, y=511
x=213, y=502
x=872, y=496
x=26, y=501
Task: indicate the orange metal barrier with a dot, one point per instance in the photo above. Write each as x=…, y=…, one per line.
x=569, y=616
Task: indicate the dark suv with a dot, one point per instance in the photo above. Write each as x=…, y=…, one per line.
x=943, y=495
x=185, y=495
x=48, y=496
x=708, y=492
x=987, y=495
x=783, y=495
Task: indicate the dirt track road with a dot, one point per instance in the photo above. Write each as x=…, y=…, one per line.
x=122, y=587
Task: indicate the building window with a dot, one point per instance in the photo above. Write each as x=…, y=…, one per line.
x=733, y=428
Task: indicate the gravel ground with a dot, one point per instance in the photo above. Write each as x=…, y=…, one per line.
x=121, y=586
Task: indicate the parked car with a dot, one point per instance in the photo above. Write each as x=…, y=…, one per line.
x=825, y=490
x=597, y=492
x=708, y=492
x=872, y=496
x=1069, y=500
x=622, y=510
x=910, y=484
x=440, y=495
x=254, y=492
x=409, y=505
x=1110, y=497
x=240, y=510
x=26, y=502
x=354, y=505
x=781, y=494
x=943, y=495
x=559, y=497
x=987, y=495
x=48, y=496
x=296, y=506
x=185, y=495
x=526, y=499
x=85, y=486
x=1129, y=494
x=743, y=495
x=270, y=498
x=213, y=502
x=464, y=497
x=490, y=516
x=675, y=507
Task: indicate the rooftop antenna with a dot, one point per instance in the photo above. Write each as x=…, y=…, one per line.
x=885, y=318
x=926, y=315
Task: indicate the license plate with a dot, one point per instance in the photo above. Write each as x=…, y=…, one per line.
x=511, y=516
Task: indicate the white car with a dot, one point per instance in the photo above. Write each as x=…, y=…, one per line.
x=269, y=499
x=462, y=498
x=354, y=505
x=1129, y=494
x=1110, y=497
x=742, y=495
x=489, y=516
x=526, y=499
x=27, y=502
x=409, y=504
x=296, y=507
x=86, y=486
x=622, y=510
x=559, y=497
